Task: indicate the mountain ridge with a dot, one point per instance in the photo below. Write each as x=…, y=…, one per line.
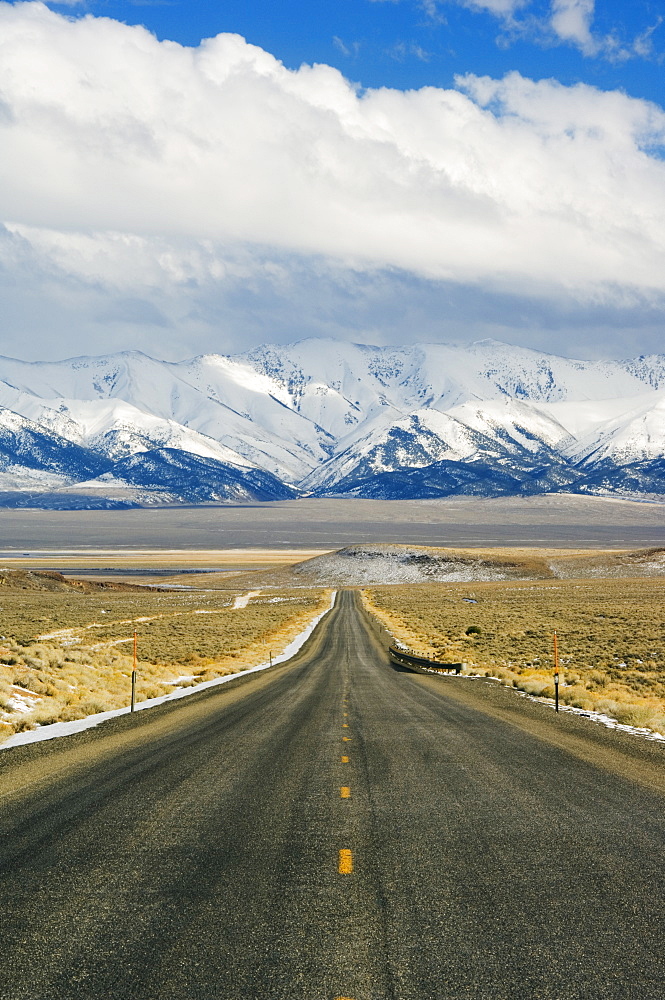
x=324, y=417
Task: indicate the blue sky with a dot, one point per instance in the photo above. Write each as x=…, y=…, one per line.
x=411, y=44
x=449, y=171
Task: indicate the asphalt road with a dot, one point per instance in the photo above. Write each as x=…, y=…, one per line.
x=194, y=853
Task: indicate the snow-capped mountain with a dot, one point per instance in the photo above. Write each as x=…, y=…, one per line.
x=330, y=418
x=31, y=455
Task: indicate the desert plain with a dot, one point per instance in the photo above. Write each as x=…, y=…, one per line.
x=227, y=588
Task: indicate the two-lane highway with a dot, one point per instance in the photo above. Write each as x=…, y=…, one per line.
x=333, y=829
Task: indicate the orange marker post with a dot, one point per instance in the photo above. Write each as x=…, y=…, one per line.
x=134, y=676
x=556, y=675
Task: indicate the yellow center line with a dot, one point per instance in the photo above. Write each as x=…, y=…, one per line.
x=345, y=792
x=346, y=714
x=345, y=862
x=345, y=760
x=346, y=739
x=345, y=725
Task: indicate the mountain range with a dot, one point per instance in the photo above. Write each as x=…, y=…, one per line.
x=328, y=418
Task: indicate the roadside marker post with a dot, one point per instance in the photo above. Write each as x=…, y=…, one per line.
x=134, y=676
x=556, y=675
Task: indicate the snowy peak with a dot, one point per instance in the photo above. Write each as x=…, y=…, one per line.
x=330, y=417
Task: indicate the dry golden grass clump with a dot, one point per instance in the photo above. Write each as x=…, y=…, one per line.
x=66, y=654
x=611, y=636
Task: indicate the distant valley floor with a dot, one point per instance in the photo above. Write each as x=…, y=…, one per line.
x=549, y=520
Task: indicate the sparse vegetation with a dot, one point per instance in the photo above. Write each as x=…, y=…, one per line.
x=611, y=637
x=66, y=653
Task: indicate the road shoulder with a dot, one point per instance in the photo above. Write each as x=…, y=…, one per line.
x=631, y=757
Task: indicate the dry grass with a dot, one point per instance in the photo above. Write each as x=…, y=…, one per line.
x=611, y=637
x=65, y=655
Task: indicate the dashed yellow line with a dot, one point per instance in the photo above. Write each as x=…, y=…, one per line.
x=345, y=792
x=345, y=862
x=346, y=739
x=345, y=760
x=345, y=725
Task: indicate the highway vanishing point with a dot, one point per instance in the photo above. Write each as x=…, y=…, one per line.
x=335, y=828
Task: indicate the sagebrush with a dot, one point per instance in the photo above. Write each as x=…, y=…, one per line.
x=611, y=637
x=66, y=655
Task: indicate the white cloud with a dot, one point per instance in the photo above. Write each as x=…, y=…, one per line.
x=643, y=44
x=571, y=21
x=501, y=8
x=431, y=10
x=158, y=171
x=553, y=21
x=346, y=48
x=405, y=50
x=565, y=22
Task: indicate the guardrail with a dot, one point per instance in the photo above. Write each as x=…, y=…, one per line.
x=420, y=664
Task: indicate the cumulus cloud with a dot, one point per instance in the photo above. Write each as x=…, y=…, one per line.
x=68, y=294
x=571, y=21
x=161, y=172
x=568, y=22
